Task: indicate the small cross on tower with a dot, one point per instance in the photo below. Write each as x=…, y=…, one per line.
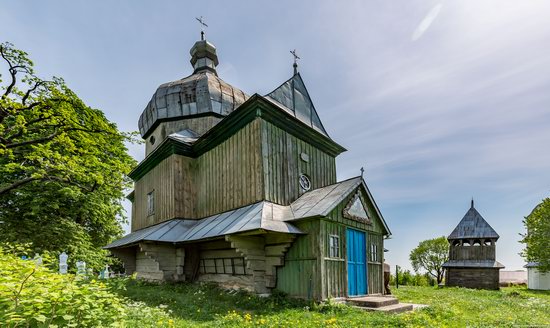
x=293, y=52
x=362, y=170
x=203, y=25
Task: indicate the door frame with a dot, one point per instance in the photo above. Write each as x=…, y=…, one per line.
x=365, y=262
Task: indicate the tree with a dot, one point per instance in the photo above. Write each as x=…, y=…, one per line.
x=537, y=238
x=63, y=165
x=430, y=255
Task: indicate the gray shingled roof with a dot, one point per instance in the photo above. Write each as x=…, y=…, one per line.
x=261, y=215
x=472, y=226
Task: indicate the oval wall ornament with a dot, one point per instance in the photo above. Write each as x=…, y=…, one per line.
x=304, y=182
x=304, y=157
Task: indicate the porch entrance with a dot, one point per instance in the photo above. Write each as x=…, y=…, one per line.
x=357, y=262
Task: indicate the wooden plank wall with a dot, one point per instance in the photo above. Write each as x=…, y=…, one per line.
x=282, y=165
x=229, y=176
x=472, y=252
x=486, y=278
x=299, y=277
x=335, y=275
x=334, y=270
x=173, y=192
x=375, y=265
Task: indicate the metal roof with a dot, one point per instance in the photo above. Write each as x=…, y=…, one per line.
x=200, y=93
x=473, y=264
x=292, y=96
x=472, y=226
x=532, y=265
x=320, y=202
x=258, y=216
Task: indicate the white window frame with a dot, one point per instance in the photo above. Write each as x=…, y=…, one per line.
x=334, y=249
x=374, y=252
x=151, y=203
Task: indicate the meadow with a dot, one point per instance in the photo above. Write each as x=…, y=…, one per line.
x=191, y=305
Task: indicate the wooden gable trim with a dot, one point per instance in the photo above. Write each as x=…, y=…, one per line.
x=255, y=107
x=348, y=215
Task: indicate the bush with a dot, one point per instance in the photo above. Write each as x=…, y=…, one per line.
x=406, y=278
x=32, y=295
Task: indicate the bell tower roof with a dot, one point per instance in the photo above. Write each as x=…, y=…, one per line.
x=473, y=226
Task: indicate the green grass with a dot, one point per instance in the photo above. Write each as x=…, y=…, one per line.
x=193, y=305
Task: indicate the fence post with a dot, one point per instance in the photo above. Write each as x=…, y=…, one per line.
x=396, y=276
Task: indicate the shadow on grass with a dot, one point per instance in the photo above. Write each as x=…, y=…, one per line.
x=203, y=302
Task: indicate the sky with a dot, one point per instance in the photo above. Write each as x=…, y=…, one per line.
x=440, y=101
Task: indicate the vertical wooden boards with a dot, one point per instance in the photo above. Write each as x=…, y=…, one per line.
x=300, y=275
x=334, y=273
x=173, y=184
x=229, y=176
x=282, y=165
x=375, y=267
x=160, y=180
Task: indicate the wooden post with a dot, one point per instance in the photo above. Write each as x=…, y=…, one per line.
x=396, y=276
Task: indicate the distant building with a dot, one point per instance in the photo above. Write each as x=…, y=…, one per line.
x=241, y=190
x=472, y=254
x=536, y=279
x=517, y=277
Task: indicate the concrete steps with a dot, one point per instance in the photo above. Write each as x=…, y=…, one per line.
x=388, y=304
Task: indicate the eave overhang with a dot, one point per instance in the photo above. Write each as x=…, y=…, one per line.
x=255, y=107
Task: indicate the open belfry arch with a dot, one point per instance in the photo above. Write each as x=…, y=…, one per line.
x=241, y=190
x=472, y=254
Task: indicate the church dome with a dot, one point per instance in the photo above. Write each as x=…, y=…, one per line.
x=200, y=94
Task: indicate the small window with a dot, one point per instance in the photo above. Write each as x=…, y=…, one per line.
x=334, y=246
x=152, y=140
x=374, y=253
x=151, y=203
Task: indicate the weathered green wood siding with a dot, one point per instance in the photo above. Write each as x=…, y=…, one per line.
x=282, y=165
x=336, y=223
x=173, y=189
x=229, y=176
x=334, y=278
x=375, y=264
x=300, y=276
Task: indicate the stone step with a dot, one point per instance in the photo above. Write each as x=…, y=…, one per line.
x=393, y=308
x=373, y=301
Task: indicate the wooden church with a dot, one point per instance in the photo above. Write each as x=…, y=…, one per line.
x=472, y=254
x=241, y=190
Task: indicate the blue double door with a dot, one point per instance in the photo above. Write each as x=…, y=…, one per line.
x=357, y=262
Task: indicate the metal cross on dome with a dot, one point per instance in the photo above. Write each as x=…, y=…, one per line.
x=203, y=25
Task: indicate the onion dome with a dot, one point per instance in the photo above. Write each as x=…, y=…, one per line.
x=200, y=94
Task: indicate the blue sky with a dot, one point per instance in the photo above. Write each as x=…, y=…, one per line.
x=440, y=101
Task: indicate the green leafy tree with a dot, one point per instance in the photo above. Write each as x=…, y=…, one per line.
x=63, y=165
x=430, y=255
x=537, y=238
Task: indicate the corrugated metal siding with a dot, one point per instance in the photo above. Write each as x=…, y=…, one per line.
x=282, y=165
x=300, y=276
x=229, y=176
